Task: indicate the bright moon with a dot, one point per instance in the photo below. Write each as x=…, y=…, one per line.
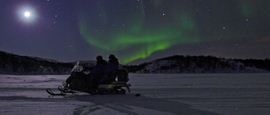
x=27, y=14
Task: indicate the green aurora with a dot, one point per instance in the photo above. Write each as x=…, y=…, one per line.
x=136, y=29
x=138, y=36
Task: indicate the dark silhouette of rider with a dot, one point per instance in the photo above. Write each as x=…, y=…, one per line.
x=100, y=61
x=112, y=67
x=113, y=63
x=98, y=71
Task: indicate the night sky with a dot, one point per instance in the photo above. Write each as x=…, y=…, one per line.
x=69, y=30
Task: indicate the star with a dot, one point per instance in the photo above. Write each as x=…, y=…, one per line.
x=55, y=16
x=164, y=13
x=247, y=19
x=224, y=27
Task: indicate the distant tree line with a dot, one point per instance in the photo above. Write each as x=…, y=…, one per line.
x=200, y=64
x=262, y=64
x=14, y=64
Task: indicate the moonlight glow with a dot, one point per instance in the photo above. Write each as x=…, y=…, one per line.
x=27, y=14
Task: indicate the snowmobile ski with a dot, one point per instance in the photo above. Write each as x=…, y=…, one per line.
x=52, y=93
x=64, y=90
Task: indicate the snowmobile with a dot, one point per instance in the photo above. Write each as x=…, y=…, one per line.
x=81, y=80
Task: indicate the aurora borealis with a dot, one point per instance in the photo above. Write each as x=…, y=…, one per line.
x=139, y=29
x=140, y=35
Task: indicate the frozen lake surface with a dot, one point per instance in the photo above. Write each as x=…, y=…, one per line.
x=163, y=94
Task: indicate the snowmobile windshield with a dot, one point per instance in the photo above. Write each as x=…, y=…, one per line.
x=77, y=67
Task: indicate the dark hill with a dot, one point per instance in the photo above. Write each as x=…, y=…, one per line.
x=201, y=64
x=14, y=64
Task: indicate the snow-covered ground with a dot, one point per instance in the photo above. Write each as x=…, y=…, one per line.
x=162, y=94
